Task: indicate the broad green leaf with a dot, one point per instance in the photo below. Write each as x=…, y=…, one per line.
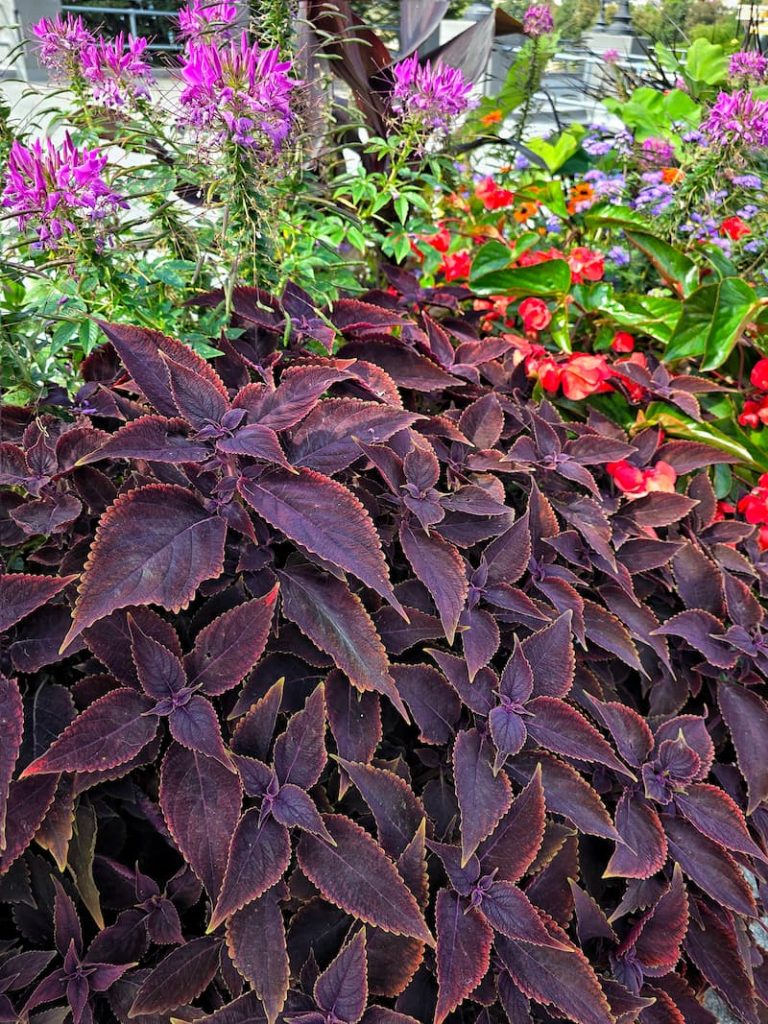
x=674, y=266
x=551, y=278
x=490, y=257
x=608, y=216
x=555, y=154
x=706, y=62
x=711, y=322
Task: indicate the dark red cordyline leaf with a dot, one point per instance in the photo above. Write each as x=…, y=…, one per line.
x=195, y=725
x=513, y=845
x=28, y=803
x=644, y=848
x=717, y=816
x=556, y=977
x=567, y=793
x=181, y=976
x=328, y=439
x=484, y=798
x=509, y=911
x=432, y=702
x=300, y=751
x=108, y=733
x=357, y=876
x=354, y=718
x=397, y=812
x=21, y=593
x=258, y=855
x=155, y=545
x=657, y=946
x=746, y=715
x=201, y=801
x=713, y=946
x=710, y=866
x=159, y=670
x=439, y=566
x=561, y=728
x=226, y=649
x=256, y=943
x=550, y=655
x=335, y=620
x=294, y=808
x=630, y=731
x=341, y=991
x=463, y=951
x=11, y=729
x=325, y=518
x=155, y=438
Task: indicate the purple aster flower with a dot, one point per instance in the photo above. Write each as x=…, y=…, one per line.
x=748, y=65
x=616, y=254
x=695, y=138
x=738, y=119
x=611, y=56
x=658, y=152
x=62, y=43
x=427, y=96
x=747, y=181
x=118, y=75
x=748, y=212
x=58, y=190
x=239, y=92
x=753, y=246
x=200, y=18
x=537, y=21
x=521, y=162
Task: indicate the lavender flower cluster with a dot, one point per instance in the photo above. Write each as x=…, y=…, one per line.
x=429, y=97
x=58, y=191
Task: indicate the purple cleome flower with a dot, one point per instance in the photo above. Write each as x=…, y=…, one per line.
x=55, y=190
x=429, y=96
x=737, y=119
x=239, y=92
x=118, y=75
x=537, y=21
x=657, y=152
x=200, y=18
x=748, y=64
x=62, y=43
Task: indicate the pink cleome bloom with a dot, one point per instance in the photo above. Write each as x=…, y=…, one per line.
x=62, y=43
x=56, y=190
x=538, y=21
x=748, y=64
x=427, y=96
x=737, y=119
x=201, y=18
x=239, y=92
x=118, y=76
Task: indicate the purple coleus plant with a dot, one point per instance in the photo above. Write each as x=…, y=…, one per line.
x=338, y=684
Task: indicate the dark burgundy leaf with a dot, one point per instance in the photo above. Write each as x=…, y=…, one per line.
x=746, y=715
x=354, y=718
x=181, y=976
x=717, y=816
x=550, y=655
x=509, y=911
x=709, y=866
x=256, y=943
x=300, y=751
x=155, y=438
x=513, y=845
x=341, y=991
x=397, y=812
x=643, y=850
x=463, y=951
x=432, y=702
x=21, y=593
x=195, y=725
x=559, y=727
x=484, y=798
x=11, y=728
x=714, y=949
x=440, y=568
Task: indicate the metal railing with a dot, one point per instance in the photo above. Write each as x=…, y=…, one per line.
x=134, y=20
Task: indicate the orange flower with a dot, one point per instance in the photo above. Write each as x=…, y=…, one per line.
x=585, y=375
x=492, y=117
x=525, y=211
x=672, y=175
x=579, y=196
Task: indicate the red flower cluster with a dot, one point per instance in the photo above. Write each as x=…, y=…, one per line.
x=535, y=315
x=735, y=228
x=456, y=265
x=585, y=264
x=638, y=482
x=493, y=196
x=623, y=342
x=754, y=508
x=755, y=411
x=578, y=374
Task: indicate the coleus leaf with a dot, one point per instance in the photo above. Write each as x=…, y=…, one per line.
x=257, y=441
x=513, y=845
x=335, y=620
x=180, y=977
x=341, y=991
x=155, y=438
x=108, y=733
x=483, y=797
x=159, y=671
x=297, y=393
x=354, y=718
x=397, y=812
x=300, y=751
x=746, y=715
x=463, y=952
x=258, y=855
x=433, y=703
x=717, y=816
x=195, y=725
x=200, y=399
x=509, y=911
x=710, y=866
x=440, y=567
x=550, y=654
x=256, y=943
x=643, y=850
x=294, y=808
x=201, y=801
x=227, y=649
x=155, y=545
x=358, y=876
x=325, y=518
x=21, y=593
x=714, y=948
x=661, y=932
x=556, y=977
x=564, y=730
x=28, y=803
x=11, y=729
